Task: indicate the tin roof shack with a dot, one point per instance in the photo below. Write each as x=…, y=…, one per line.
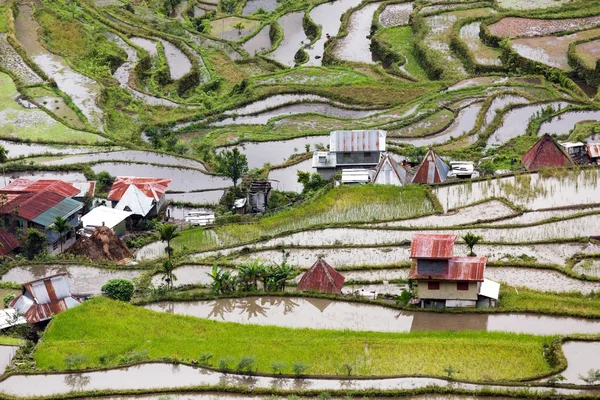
x=431, y=170
x=258, y=196
x=546, y=153
x=348, y=149
x=593, y=151
x=43, y=298
x=143, y=197
x=321, y=277
x=389, y=172
x=39, y=210
x=24, y=185
x=444, y=280
x=7, y=243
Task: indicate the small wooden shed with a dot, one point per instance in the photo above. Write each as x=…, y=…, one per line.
x=321, y=277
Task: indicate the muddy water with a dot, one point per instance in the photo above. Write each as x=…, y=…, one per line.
x=469, y=33
x=286, y=179
x=148, y=45
x=6, y=355
x=541, y=280
x=562, y=124
x=536, y=216
x=84, y=280
x=498, y=104
x=123, y=73
x=181, y=179
x=17, y=149
x=581, y=358
x=179, y=64
x=59, y=107
x=204, y=197
x=328, y=15
x=301, y=108
x=128, y=155
x=480, y=81
x=152, y=250
x=277, y=152
x=260, y=42
x=396, y=15
x=12, y=61
x=356, y=45
x=515, y=122
x=544, y=192
x=188, y=275
x=297, y=312
x=181, y=376
x=275, y=101
x=463, y=124
x=293, y=38
x=82, y=90
x=252, y=6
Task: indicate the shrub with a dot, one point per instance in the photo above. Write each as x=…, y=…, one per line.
x=246, y=364
x=35, y=243
x=205, y=358
x=225, y=363
x=278, y=368
x=74, y=361
x=299, y=368
x=118, y=289
x=7, y=299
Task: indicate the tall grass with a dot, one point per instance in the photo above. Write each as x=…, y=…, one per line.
x=343, y=204
x=102, y=329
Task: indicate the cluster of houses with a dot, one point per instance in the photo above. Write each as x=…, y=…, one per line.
x=27, y=203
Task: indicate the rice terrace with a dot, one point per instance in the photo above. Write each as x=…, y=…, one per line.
x=261, y=199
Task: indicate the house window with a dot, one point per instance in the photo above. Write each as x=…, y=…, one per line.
x=433, y=285
x=367, y=155
x=55, y=246
x=462, y=285
x=346, y=154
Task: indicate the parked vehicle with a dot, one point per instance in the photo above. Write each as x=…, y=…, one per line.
x=200, y=218
x=462, y=169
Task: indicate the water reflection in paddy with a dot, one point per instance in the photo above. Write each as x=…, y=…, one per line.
x=17, y=149
x=356, y=45
x=564, y=123
x=313, y=313
x=259, y=42
x=286, y=179
x=293, y=38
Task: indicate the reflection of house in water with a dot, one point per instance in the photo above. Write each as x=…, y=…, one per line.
x=427, y=321
x=319, y=304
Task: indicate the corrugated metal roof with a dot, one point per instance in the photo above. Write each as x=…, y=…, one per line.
x=151, y=187
x=546, y=153
x=45, y=297
x=432, y=169
x=460, y=269
x=135, y=201
x=395, y=167
x=321, y=277
x=102, y=214
x=593, y=150
x=30, y=205
x=7, y=243
x=64, y=208
x=349, y=141
x=24, y=185
x=432, y=246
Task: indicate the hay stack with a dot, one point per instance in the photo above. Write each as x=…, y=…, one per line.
x=103, y=244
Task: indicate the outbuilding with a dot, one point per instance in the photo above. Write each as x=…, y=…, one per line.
x=321, y=277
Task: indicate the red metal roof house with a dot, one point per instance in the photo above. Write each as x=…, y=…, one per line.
x=431, y=170
x=23, y=185
x=43, y=298
x=546, y=153
x=443, y=279
x=141, y=196
x=321, y=277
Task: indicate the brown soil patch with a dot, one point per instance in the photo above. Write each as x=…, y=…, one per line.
x=103, y=244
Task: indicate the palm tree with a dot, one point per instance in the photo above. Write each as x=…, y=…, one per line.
x=249, y=274
x=223, y=281
x=471, y=240
x=3, y=159
x=283, y=273
x=61, y=226
x=167, y=273
x=168, y=232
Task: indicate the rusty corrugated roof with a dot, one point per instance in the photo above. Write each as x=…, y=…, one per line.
x=321, y=277
x=431, y=170
x=593, y=150
x=461, y=269
x=546, y=153
x=7, y=243
x=396, y=168
x=151, y=187
x=30, y=205
x=432, y=246
x=23, y=185
x=350, y=141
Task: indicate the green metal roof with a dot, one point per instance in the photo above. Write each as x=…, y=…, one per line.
x=64, y=208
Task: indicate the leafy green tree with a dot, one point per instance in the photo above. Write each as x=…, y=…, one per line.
x=118, y=289
x=35, y=243
x=471, y=240
x=310, y=182
x=61, y=226
x=249, y=274
x=228, y=6
x=239, y=26
x=232, y=164
x=104, y=181
x=167, y=273
x=166, y=233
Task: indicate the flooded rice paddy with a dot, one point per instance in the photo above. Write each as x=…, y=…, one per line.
x=146, y=44
x=83, y=91
x=84, y=280
x=514, y=27
x=182, y=179
x=563, y=123
x=328, y=15
x=63, y=176
x=286, y=179
x=259, y=42
x=396, y=15
x=182, y=376
x=498, y=104
x=276, y=101
x=356, y=45
x=277, y=152
x=514, y=122
x=18, y=149
x=293, y=38
x=12, y=61
x=252, y=6
x=483, y=54
x=179, y=64
x=6, y=355
x=581, y=357
x=299, y=312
